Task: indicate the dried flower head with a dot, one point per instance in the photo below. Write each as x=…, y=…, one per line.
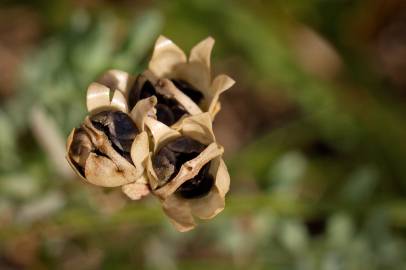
x=182, y=86
x=153, y=134
x=186, y=171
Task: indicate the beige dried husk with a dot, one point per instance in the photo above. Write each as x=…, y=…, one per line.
x=170, y=62
x=103, y=165
x=113, y=83
x=182, y=211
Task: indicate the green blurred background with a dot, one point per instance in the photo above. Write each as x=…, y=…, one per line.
x=314, y=132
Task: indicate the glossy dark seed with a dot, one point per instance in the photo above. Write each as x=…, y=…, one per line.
x=139, y=90
x=147, y=90
x=198, y=186
x=164, y=114
x=170, y=158
x=177, y=111
x=118, y=127
x=186, y=145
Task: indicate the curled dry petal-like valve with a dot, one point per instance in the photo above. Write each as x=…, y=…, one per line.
x=186, y=171
x=109, y=91
x=109, y=150
x=98, y=99
x=117, y=80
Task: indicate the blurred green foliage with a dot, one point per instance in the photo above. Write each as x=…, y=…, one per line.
x=316, y=117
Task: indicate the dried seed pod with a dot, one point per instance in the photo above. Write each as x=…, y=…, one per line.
x=111, y=147
x=183, y=87
x=172, y=104
x=186, y=171
x=101, y=150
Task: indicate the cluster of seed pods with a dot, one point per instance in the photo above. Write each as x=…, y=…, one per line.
x=152, y=134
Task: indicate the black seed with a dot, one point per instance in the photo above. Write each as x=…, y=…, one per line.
x=164, y=114
x=122, y=126
x=142, y=88
x=118, y=127
x=168, y=161
x=147, y=90
x=198, y=186
x=186, y=145
x=178, y=111
x=188, y=90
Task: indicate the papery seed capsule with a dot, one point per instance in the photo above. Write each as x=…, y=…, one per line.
x=101, y=150
x=186, y=170
x=153, y=133
x=191, y=76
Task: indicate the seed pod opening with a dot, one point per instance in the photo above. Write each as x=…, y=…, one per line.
x=175, y=99
x=198, y=186
x=192, y=76
x=186, y=171
x=168, y=110
x=202, y=197
x=79, y=150
x=168, y=161
x=101, y=150
x=119, y=128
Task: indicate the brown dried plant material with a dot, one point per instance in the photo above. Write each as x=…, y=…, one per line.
x=153, y=133
x=111, y=146
x=144, y=109
x=182, y=86
x=117, y=80
x=186, y=171
x=109, y=91
x=100, y=150
x=98, y=99
x=138, y=189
